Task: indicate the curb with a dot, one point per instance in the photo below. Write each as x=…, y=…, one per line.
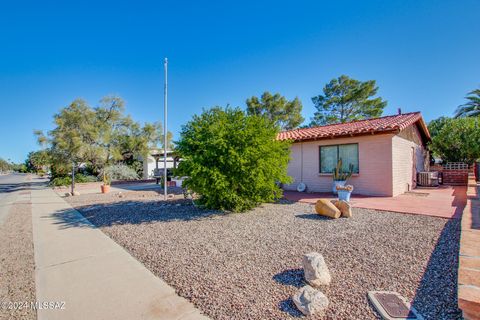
x=469, y=255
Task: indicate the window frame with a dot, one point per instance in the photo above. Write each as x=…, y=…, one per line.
x=338, y=153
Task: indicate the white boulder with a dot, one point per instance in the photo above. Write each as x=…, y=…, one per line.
x=310, y=301
x=316, y=270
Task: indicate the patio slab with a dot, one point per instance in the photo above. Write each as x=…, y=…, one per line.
x=444, y=202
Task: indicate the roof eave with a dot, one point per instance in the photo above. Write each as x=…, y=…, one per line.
x=367, y=133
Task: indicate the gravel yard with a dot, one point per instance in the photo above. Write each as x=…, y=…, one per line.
x=17, y=282
x=247, y=266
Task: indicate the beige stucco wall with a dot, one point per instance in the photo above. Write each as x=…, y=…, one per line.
x=403, y=147
x=385, y=163
x=375, y=165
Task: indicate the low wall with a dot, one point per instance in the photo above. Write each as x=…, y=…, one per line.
x=469, y=256
x=117, y=182
x=454, y=175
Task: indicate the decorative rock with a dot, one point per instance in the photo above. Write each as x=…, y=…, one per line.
x=67, y=194
x=316, y=269
x=75, y=193
x=344, y=207
x=309, y=300
x=325, y=208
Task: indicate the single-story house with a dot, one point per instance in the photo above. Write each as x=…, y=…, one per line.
x=153, y=164
x=386, y=154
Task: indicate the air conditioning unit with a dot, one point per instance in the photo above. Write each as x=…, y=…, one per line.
x=427, y=179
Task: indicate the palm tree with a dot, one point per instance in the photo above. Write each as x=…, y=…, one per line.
x=472, y=107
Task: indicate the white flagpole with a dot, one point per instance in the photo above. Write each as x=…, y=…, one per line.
x=165, y=132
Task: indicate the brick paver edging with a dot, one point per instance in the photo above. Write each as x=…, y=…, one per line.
x=469, y=256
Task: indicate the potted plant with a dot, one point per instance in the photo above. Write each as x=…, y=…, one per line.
x=344, y=192
x=106, y=183
x=340, y=177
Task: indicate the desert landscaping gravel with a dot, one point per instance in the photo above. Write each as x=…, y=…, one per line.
x=17, y=266
x=248, y=265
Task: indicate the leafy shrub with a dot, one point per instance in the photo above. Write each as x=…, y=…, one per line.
x=232, y=161
x=60, y=169
x=136, y=165
x=67, y=180
x=456, y=140
x=22, y=168
x=119, y=172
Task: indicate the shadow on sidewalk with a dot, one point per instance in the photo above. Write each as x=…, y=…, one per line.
x=23, y=186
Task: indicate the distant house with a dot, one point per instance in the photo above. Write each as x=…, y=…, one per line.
x=154, y=163
x=386, y=153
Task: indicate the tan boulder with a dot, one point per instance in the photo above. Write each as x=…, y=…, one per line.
x=344, y=207
x=325, y=208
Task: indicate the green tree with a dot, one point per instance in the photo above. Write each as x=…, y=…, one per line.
x=457, y=140
x=345, y=99
x=232, y=160
x=19, y=167
x=472, y=107
x=74, y=134
x=5, y=165
x=133, y=140
x=286, y=114
x=436, y=125
x=38, y=161
x=97, y=136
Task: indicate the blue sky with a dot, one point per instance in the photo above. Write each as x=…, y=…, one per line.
x=423, y=54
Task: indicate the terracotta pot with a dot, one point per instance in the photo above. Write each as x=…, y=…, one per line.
x=105, y=188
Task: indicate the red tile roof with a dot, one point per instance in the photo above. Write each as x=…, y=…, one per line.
x=385, y=124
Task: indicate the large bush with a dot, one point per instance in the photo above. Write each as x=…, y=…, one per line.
x=456, y=140
x=232, y=161
x=119, y=172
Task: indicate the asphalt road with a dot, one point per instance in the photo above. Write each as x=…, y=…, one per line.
x=10, y=186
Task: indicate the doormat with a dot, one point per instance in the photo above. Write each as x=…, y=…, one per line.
x=392, y=306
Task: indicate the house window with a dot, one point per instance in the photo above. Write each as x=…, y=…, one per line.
x=329, y=156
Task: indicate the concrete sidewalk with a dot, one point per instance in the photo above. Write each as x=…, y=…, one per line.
x=95, y=278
